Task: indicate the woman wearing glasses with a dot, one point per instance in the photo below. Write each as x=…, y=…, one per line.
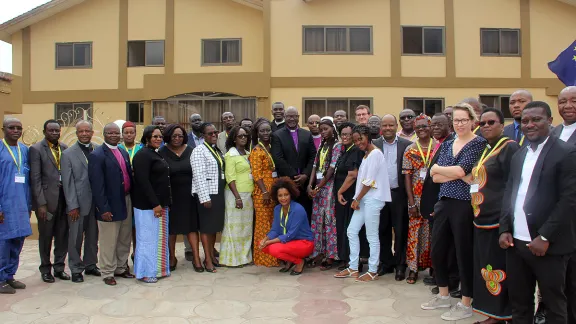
x=453, y=215
x=236, y=243
x=151, y=199
x=208, y=188
x=490, y=176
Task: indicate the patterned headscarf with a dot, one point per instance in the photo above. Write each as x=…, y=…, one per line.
x=422, y=117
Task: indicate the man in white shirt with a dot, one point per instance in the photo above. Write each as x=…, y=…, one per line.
x=537, y=222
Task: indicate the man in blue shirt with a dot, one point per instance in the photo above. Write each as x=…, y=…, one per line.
x=518, y=100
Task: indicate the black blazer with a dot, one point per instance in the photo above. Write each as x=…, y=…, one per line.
x=430, y=189
x=551, y=197
x=557, y=131
x=277, y=127
x=107, y=182
x=288, y=161
x=401, y=148
x=151, y=180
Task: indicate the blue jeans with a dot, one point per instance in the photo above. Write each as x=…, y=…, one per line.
x=369, y=215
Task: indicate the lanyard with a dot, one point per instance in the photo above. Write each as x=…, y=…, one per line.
x=57, y=160
x=476, y=129
x=131, y=152
x=351, y=146
x=285, y=220
x=216, y=155
x=485, y=157
x=521, y=141
x=413, y=137
x=268, y=153
x=323, y=155
x=12, y=154
x=427, y=158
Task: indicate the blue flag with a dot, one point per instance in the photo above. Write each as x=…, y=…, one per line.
x=564, y=66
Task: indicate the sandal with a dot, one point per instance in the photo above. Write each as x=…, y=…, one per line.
x=212, y=270
x=346, y=273
x=372, y=277
x=284, y=269
x=412, y=277
x=326, y=265
x=149, y=280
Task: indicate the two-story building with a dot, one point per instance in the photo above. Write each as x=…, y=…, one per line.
x=134, y=59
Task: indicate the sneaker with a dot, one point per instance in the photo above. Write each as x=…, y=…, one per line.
x=457, y=312
x=5, y=288
x=16, y=284
x=436, y=302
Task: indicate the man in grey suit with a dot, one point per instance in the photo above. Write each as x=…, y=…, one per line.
x=48, y=201
x=76, y=184
x=228, y=121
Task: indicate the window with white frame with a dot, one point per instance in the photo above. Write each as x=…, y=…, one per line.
x=337, y=40
x=73, y=55
x=146, y=53
x=221, y=51
x=422, y=40
x=500, y=42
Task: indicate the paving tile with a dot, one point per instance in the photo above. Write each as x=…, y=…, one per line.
x=39, y=304
x=126, y=307
x=274, y=293
x=170, y=308
x=63, y=319
x=186, y=293
x=382, y=307
x=361, y=291
x=271, y=309
x=164, y=320
x=222, y=309
x=377, y=320
x=321, y=307
x=13, y=318
x=82, y=305
x=102, y=319
x=103, y=291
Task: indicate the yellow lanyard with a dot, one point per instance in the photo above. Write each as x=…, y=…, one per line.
x=413, y=137
x=19, y=162
x=521, y=140
x=476, y=129
x=268, y=153
x=216, y=155
x=57, y=160
x=323, y=155
x=351, y=146
x=485, y=157
x=131, y=152
x=427, y=158
x=285, y=220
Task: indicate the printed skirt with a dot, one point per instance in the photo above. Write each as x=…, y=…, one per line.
x=151, y=258
x=236, y=241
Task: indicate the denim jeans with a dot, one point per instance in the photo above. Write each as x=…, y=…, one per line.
x=369, y=215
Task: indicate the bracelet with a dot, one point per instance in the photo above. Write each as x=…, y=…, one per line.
x=411, y=206
x=238, y=199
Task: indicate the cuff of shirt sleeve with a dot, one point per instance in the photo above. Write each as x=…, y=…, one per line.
x=283, y=238
x=370, y=183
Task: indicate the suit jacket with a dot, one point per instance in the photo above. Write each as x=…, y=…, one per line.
x=107, y=182
x=191, y=142
x=510, y=132
x=288, y=160
x=430, y=189
x=277, y=127
x=557, y=131
x=44, y=176
x=551, y=197
x=221, y=143
x=401, y=148
x=75, y=180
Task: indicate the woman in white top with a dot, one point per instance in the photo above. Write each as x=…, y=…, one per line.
x=372, y=192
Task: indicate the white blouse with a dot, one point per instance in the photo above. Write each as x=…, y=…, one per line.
x=371, y=173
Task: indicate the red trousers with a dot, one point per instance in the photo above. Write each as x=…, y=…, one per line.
x=293, y=251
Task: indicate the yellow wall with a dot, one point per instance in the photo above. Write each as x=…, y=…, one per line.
x=424, y=66
x=146, y=19
x=201, y=19
x=94, y=21
x=136, y=75
x=288, y=17
x=422, y=13
x=17, y=53
x=469, y=17
x=553, y=29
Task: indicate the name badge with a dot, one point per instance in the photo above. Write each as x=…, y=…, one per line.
x=319, y=176
x=19, y=178
x=474, y=188
x=223, y=177
x=423, y=174
x=59, y=176
x=250, y=176
x=274, y=174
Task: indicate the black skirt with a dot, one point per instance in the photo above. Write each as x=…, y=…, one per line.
x=211, y=220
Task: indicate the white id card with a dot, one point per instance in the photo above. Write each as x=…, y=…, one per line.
x=423, y=174
x=274, y=174
x=19, y=178
x=319, y=176
x=223, y=177
x=251, y=177
x=474, y=188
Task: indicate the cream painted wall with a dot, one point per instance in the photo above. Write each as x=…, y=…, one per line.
x=424, y=66
x=92, y=21
x=391, y=100
x=136, y=75
x=33, y=118
x=146, y=19
x=553, y=29
x=203, y=19
x=288, y=17
x=17, y=53
x=469, y=17
x=422, y=13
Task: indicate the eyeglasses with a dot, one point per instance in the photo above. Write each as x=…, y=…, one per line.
x=345, y=134
x=242, y=136
x=113, y=133
x=314, y=123
x=490, y=123
x=211, y=133
x=156, y=136
x=14, y=128
x=421, y=127
x=407, y=117
x=177, y=136
x=461, y=121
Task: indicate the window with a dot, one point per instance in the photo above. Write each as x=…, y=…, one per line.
x=337, y=40
x=429, y=106
x=145, y=53
x=422, y=40
x=209, y=105
x=70, y=113
x=328, y=106
x=501, y=102
x=135, y=112
x=221, y=51
x=500, y=42
x=73, y=55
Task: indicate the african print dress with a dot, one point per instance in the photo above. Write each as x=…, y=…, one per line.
x=418, y=247
x=323, y=223
x=490, y=285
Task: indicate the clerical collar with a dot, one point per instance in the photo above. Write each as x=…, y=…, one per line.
x=111, y=146
x=316, y=136
x=278, y=123
x=85, y=145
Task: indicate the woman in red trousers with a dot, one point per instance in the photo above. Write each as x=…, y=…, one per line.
x=290, y=238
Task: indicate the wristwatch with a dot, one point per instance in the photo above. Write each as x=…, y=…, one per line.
x=543, y=238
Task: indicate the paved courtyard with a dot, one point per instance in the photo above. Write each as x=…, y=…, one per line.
x=232, y=296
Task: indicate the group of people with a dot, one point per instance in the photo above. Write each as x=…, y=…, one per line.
x=485, y=207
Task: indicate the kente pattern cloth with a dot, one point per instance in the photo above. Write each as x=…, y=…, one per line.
x=236, y=241
x=151, y=258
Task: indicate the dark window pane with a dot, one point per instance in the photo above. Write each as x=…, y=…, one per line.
x=360, y=40
x=155, y=53
x=417, y=105
x=243, y=108
x=231, y=51
x=433, y=41
x=135, y=112
x=314, y=39
x=505, y=106
x=211, y=52
x=335, y=39
x=509, y=42
x=433, y=106
x=136, y=53
x=490, y=42
x=412, y=40
x=490, y=101
x=312, y=107
x=62, y=110
x=82, y=55
x=334, y=105
x=65, y=55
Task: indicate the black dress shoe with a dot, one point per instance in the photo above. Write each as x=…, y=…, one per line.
x=400, y=275
x=216, y=253
x=189, y=256
x=429, y=281
x=126, y=275
x=77, y=277
x=62, y=275
x=48, y=278
x=384, y=270
x=93, y=272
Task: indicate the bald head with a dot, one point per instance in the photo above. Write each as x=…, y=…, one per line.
x=84, y=131
x=524, y=93
x=111, y=134
x=518, y=100
x=389, y=127
x=569, y=89
x=314, y=124
x=12, y=128
x=292, y=117
x=567, y=105
x=83, y=123
x=111, y=126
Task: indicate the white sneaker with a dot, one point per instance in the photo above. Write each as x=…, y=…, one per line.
x=457, y=312
x=436, y=302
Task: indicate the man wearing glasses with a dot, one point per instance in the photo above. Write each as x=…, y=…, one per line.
x=362, y=114
x=407, y=131
x=314, y=128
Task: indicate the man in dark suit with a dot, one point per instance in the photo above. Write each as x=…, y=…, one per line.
x=537, y=221
x=48, y=201
x=565, y=132
x=81, y=220
x=394, y=216
x=195, y=135
x=293, y=152
x=518, y=100
x=278, y=113
x=111, y=180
